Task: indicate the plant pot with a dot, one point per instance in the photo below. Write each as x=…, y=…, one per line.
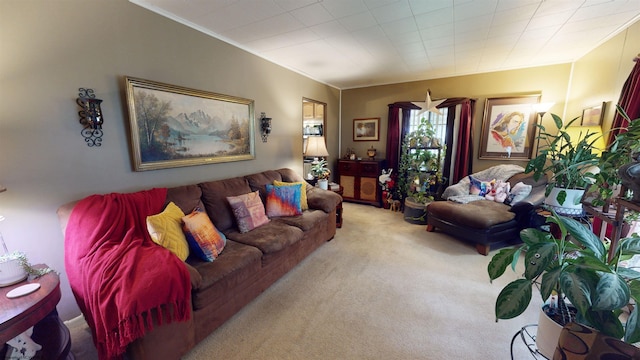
x=549, y=331
x=571, y=205
x=323, y=184
x=11, y=272
x=547, y=335
x=415, y=212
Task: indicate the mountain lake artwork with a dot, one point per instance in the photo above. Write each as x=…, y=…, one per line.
x=173, y=126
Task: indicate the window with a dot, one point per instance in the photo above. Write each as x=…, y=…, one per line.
x=439, y=122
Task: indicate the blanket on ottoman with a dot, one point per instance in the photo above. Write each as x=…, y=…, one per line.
x=119, y=274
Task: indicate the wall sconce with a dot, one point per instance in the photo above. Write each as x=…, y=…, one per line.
x=265, y=126
x=90, y=117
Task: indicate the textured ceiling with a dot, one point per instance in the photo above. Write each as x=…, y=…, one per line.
x=356, y=43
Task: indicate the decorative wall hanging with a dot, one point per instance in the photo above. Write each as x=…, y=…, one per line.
x=366, y=129
x=90, y=117
x=508, y=128
x=173, y=126
x=592, y=116
x=265, y=126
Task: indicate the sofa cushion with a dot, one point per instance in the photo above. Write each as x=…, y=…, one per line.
x=204, y=239
x=214, y=197
x=186, y=197
x=479, y=214
x=269, y=238
x=284, y=200
x=307, y=220
x=165, y=230
x=527, y=179
x=233, y=267
x=324, y=200
x=304, y=205
x=248, y=210
x=259, y=181
x=289, y=175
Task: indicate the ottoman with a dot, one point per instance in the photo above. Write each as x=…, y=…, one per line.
x=484, y=223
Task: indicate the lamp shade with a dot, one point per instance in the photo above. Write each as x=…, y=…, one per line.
x=316, y=147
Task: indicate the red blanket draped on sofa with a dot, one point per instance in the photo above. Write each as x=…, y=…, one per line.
x=117, y=273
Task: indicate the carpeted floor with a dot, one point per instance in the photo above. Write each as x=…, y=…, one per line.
x=381, y=289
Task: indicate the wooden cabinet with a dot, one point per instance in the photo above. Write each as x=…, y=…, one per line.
x=359, y=179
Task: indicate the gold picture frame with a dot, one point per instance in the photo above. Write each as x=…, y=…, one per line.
x=366, y=129
x=592, y=116
x=508, y=128
x=173, y=126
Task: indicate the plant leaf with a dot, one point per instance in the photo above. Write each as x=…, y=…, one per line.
x=499, y=262
x=561, y=197
x=605, y=322
x=549, y=282
x=531, y=236
x=538, y=258
x=629, y=246
x=584, y=236
x=611, y=293
x=632, y=328
x=578, y=286
x=514, y=299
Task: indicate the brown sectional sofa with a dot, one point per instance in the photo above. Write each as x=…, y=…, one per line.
x=249, y=264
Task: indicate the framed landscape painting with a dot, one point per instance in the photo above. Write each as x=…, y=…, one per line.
x=173, y=126
x=508, y=128
x=366, y=129
x=592, y=116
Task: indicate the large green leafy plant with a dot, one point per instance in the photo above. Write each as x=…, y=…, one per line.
x=575, y=268
x=618, y=154
x=567, y=159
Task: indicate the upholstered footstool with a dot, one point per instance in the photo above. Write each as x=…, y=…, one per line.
x=485, y=223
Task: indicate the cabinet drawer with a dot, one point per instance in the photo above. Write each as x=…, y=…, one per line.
x=369, y=169
x=347, y=167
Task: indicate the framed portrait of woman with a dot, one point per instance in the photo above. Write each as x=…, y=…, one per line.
x=509, y=128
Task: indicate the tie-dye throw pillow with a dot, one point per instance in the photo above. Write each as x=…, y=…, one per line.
x=283, y=200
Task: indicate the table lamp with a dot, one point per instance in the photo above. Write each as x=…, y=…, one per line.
x=316, y=147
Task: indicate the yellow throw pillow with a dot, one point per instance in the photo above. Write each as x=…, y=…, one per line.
x=166, y=230
x=303, y=191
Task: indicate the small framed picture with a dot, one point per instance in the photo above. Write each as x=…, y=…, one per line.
x=366, y=129
x=592, y=116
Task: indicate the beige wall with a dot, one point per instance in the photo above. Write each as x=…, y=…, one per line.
x=51, y=48
x=550, y=81
x=600, y=75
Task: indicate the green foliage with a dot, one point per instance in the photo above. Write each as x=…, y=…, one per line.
x=575, y=265
x=319, y=169
x=567, y=159
x=419, y=169
x=618, y=154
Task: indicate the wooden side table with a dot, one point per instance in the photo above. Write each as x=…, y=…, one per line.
x=339, y=208
x=37, y=309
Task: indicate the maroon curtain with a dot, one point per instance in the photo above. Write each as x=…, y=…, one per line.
x=464, y=155
x=629, y=101
x=393, y=137
x=396, y=130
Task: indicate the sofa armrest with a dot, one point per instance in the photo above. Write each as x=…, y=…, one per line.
x=324, y=200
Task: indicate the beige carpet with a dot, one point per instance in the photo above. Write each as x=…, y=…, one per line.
x=381, y=289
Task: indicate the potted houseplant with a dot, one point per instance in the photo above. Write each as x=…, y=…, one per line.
x=320, y=172
x=618, y=154
x=575, y=268
x=15, y=267
x=569, y=161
